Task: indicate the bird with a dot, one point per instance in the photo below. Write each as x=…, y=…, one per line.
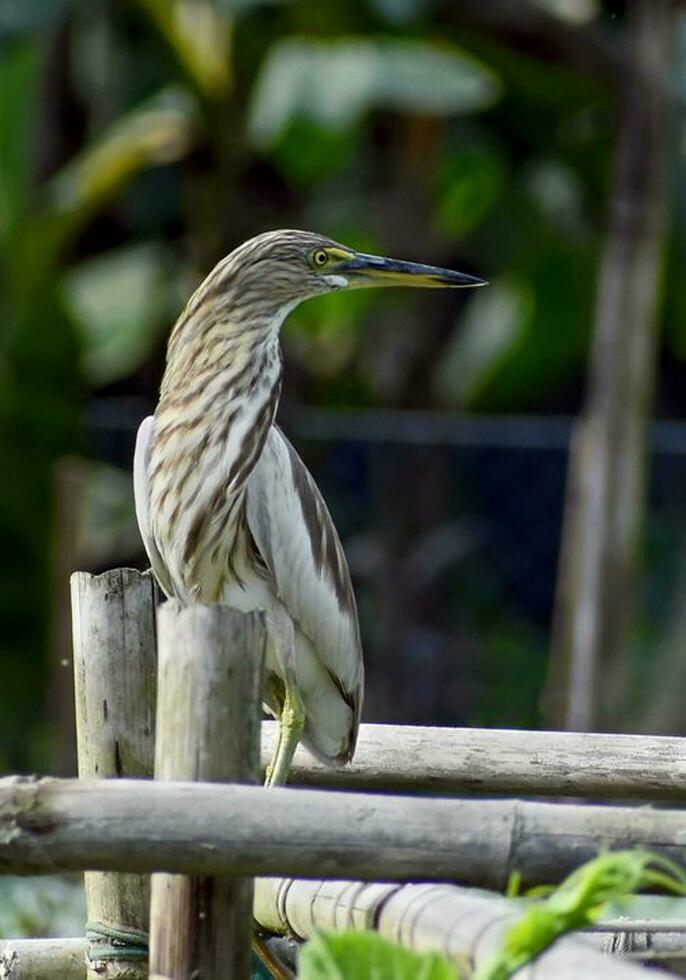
x=228, y=511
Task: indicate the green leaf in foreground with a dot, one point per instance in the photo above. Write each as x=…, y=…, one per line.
x=366, y=956
x=579, y=901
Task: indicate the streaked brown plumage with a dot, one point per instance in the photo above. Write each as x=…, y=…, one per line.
x=228, y=511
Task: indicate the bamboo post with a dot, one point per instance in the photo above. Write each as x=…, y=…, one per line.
x=208, y=728
x=113, y=618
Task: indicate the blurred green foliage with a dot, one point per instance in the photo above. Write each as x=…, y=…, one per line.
x=141, y=141
x=333, y=83
x=46, y=906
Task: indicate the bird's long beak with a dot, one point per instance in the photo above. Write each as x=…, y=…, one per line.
x=373, y=270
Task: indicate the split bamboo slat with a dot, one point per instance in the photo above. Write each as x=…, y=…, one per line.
x=477, y=760
x=208, y=727
x=115, y=666
x=204, y=840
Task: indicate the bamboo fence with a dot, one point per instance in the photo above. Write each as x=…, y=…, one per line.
x=453, y=920
x=303, y=907
x=203, y=832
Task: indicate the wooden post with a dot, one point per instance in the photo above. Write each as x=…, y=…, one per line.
x=208, y=728
x=113, y=617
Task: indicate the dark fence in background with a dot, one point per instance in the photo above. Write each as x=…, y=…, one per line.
x=452, y=527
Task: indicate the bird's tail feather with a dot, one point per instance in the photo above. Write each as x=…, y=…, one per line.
x=331, y=724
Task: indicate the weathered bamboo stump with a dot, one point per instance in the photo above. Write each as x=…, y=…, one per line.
x=113, y=617
x=208, y=728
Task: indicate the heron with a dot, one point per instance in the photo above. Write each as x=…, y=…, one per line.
x=227, y=510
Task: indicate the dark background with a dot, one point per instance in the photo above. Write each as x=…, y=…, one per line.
x=141, y=141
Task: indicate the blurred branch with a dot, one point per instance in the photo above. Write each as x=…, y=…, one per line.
x=153, y=134
x=158, y=132
x=528, y=27
x=200, y=35
x=606, y=484
x=69, y=478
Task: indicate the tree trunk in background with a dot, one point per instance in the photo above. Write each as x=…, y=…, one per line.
x=69, y=482
x=606, y=484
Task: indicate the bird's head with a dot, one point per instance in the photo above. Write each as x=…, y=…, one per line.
x=279, y=269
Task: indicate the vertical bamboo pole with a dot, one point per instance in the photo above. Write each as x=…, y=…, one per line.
x=68, y=487
x=606, y=486
x=113, y=618
x=208, y=728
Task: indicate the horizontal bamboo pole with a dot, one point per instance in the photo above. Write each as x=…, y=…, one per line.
x=465, y=926
x=51, y=825
x=40, y=959
x=412, y=758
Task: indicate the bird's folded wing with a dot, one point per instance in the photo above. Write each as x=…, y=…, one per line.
x=141, y=491
x=296, y=537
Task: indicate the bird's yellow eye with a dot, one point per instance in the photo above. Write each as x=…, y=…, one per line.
x=319, y=258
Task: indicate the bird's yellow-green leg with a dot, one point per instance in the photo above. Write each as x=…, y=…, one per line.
x=292, y=715
x=291, y=725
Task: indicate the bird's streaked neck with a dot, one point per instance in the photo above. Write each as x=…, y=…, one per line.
x=221, y=368
x=217, y=403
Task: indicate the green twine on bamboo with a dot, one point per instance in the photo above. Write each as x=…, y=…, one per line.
x=107, y=943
